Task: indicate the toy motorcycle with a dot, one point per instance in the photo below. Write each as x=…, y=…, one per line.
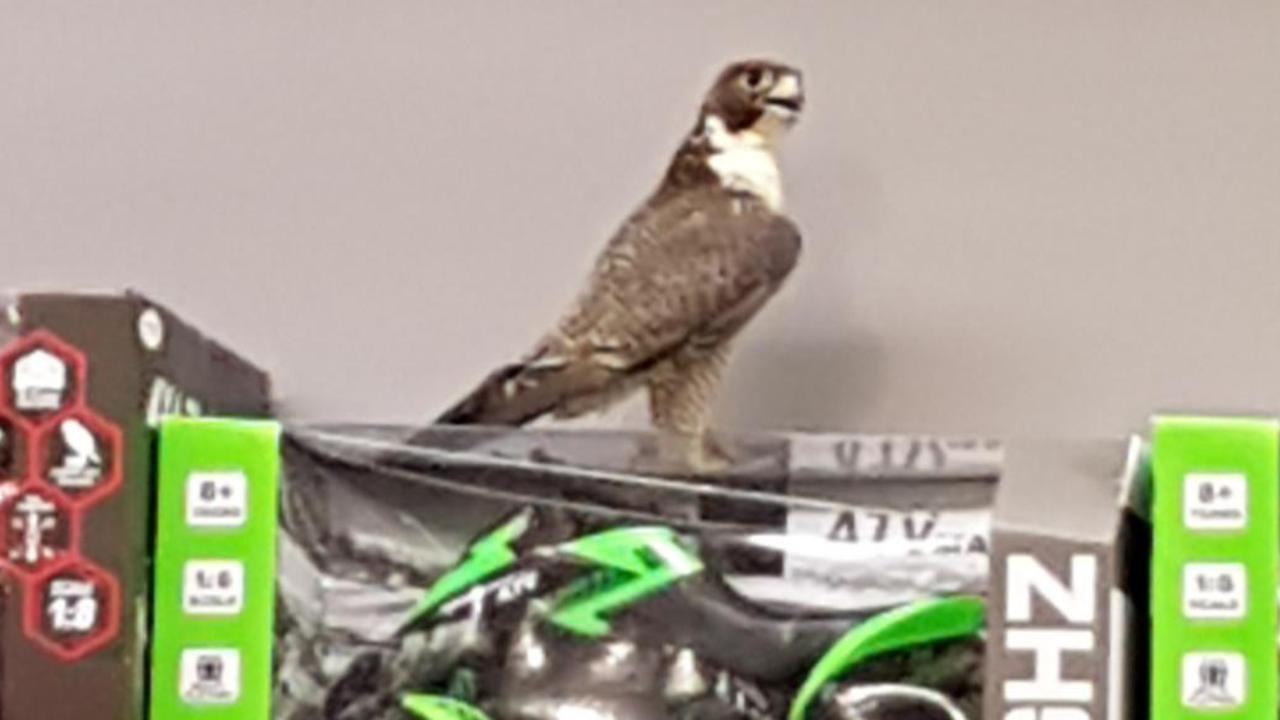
x=550, y=616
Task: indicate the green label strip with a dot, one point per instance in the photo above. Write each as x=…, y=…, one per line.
x=1213, y=581
x=215, y=569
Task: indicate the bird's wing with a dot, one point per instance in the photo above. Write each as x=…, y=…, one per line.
x=691, y=273
x=684, y=273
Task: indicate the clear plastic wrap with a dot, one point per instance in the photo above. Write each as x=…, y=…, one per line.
x=544, y=574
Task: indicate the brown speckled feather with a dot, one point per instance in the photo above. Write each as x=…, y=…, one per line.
x=683, y=274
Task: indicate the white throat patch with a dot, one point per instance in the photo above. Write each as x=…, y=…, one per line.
x=744, y=161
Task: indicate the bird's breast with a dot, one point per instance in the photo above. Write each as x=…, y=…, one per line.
x=749, y=169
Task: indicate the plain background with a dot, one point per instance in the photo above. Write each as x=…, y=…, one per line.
x=1019, y=216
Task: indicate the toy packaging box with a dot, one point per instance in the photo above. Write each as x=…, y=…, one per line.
x=83, y=380
x=549, y=574
x=1068, y=620
x=1215, y=557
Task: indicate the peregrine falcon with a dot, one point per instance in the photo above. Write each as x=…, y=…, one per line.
x=673, y=287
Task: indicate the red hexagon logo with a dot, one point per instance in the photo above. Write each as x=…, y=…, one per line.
x=15, y=466
x=41, y=376
x=81, y=455
x=72, y=610
x=39, y=529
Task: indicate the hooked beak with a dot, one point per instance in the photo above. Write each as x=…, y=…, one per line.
x=787, y=94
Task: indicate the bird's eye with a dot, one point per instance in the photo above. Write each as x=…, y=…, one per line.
x=755, y=78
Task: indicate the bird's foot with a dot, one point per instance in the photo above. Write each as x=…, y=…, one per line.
x=696, y=454
x=669, y=453
x=708, y=456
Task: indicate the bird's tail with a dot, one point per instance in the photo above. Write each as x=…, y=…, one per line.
x=508, y=396
x=541, y=383
x=503, y=398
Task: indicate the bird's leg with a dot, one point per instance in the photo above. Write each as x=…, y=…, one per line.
x=681, y=396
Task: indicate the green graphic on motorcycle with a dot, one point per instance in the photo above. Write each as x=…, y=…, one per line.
x=631, y=622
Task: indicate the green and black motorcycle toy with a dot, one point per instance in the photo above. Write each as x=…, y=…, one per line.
x=545, y=619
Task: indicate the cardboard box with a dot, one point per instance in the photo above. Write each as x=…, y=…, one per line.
x=215, y=570
x=1053, y=534
x=83, y=380
x=1214, y=568
x=816, y=535
x=1069, y=565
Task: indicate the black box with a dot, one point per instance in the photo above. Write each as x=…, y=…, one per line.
x=83, y=380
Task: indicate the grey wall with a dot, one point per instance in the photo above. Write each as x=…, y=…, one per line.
x=1020, y=216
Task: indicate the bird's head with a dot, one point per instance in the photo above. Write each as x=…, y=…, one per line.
x=756, y=96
